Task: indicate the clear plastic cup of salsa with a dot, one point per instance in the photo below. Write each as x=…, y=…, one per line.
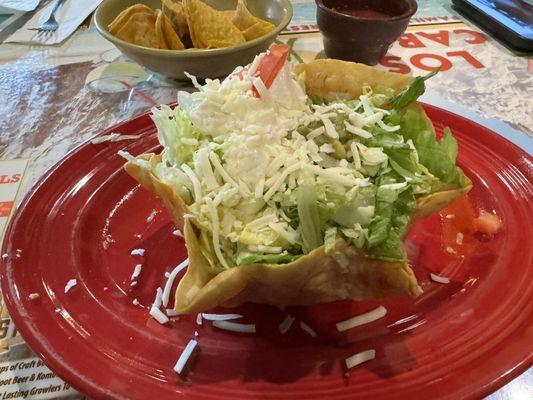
x=362, y=30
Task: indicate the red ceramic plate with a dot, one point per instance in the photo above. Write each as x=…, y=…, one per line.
x=83, y=218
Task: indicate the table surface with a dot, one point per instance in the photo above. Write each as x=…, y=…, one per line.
x=54, y=98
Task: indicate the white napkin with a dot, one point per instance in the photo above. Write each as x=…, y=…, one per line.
x=20, y=5
x=69, y=16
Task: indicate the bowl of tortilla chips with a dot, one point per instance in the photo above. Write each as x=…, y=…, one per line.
x=205, y=38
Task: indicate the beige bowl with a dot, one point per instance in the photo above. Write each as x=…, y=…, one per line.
x=203, y=63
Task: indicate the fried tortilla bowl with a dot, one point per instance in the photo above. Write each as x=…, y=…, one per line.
x=317, y=277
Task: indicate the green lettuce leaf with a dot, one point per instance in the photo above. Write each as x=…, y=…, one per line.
x=310, y=223
x=319, y=100
x=353, y=207
x=246, y=258
x=438, y=157
x=173, y=125
x=411, y=92
x=386, y=231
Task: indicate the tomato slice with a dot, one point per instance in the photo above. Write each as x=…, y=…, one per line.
x=487, y=223
x=458, y=227
x=271, y=63
x=460, y=224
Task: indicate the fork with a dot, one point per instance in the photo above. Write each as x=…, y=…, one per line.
x=50, y=25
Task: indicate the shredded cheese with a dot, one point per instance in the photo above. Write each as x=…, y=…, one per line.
x=360, y=358
x=168, y=285
x=189, y=141
x=327, y=148
x=261, y=222
x=265, y=249
x=329, y=128
x=216, y=239
x=286, y=232
x=275, y=164
x=451, y=250
x=171, y=312
x=279, y=181
x=361, y=319
x=70, y=284
x=203, y=165
x=220, y=169
x=439, y=279
x=158, y=315
x=235, y=327
x=194, y=179
x=372, y=119
x=330, y=175
x=316, y=133
x=137, y=252
x=264, y=92
x=220, y=317
x=286, y=324
x=355, y=155
x=158, y=301
x=394, y=186
x=259, y=188
x=388, y=128
x=152, y=215
x=357, y=131
x=306, y=328
x=136, y=271
x=184, y=356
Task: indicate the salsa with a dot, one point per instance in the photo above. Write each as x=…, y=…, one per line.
x=460, y=225
x=362, y=13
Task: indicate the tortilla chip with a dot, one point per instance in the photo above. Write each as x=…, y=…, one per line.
x=166, y=36
x=219, y=44
x=139, y=29
x=251, y=26
x=228, y=13
x=176, y=13
x=209, y=28
x=260, y=28
x=125, y=15
x=344, y=273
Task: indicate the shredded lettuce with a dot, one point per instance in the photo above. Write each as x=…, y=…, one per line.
x=308, y=213
x=386, y=231
x=246, y=258
x=355, y=207
x=173, y=125
x=356, y=235
x=329, y=239
x=230, y=140
x=319, y=100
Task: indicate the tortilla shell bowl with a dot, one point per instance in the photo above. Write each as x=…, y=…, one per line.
x=202, y=63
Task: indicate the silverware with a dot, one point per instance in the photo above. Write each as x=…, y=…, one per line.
x=51, y=24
